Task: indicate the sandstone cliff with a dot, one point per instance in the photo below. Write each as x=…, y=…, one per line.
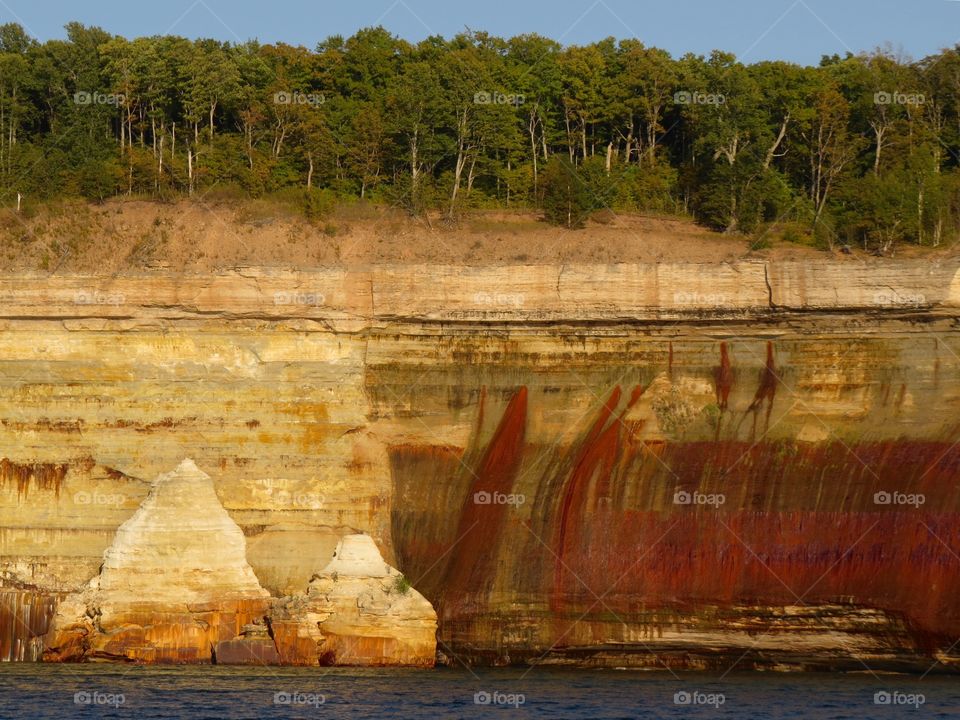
x=540, y=450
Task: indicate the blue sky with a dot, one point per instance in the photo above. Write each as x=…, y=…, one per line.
x=796, y=30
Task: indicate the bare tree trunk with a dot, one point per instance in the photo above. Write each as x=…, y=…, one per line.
x=470, y=175
x=532, y=129
x=920, y=215
x=509, y=169
x=310, y=170
x=461, y=162
x=772, y=151
x=879, y=130
x=160, y=163
x=566, y=120
x=414, y=159
x=278, y=137
x=652, y=126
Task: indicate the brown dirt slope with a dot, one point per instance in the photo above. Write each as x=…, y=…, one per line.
x=198, y=236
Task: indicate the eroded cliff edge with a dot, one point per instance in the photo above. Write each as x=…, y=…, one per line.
x=520, y=442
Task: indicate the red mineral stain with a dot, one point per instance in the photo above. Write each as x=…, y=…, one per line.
x=593, y=463
x=723, y=377
x=767, y=388
x=472, y=561
x=802, y=526
x=635, y=395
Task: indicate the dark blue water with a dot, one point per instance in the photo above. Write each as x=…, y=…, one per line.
x=109, y=691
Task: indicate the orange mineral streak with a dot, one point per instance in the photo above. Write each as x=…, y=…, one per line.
x=471, y=568
x=800, y=527
x=723, y=377
x=766, y=389
x=44, y=476
x=157, y=634
x=593, y=462
x=353, y=650
x=25, y=617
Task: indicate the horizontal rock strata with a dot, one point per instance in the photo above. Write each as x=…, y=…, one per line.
x=519, y=441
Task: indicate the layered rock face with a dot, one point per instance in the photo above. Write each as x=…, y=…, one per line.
x=693, y=466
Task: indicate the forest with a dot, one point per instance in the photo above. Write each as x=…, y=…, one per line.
x=859, y=151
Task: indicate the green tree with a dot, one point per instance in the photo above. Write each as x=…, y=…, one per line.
x=566, y=199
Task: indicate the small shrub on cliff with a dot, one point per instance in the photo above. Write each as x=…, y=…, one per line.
x=401, y=585
x=674, y=412
x=318, y=203
x=711, y=413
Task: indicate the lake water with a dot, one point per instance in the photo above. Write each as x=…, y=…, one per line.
x=112, y=691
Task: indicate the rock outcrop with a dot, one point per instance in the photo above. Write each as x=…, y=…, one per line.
x=358, y=611
x=175, y=587
x=174, y=584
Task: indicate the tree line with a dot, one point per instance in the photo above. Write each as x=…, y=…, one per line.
x=861, y=149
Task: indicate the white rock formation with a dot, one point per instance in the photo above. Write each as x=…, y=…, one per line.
x=360, y=611
x=175, y=583
x=179, y=546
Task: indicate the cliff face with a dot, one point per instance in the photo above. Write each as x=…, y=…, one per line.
x=615, y=465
